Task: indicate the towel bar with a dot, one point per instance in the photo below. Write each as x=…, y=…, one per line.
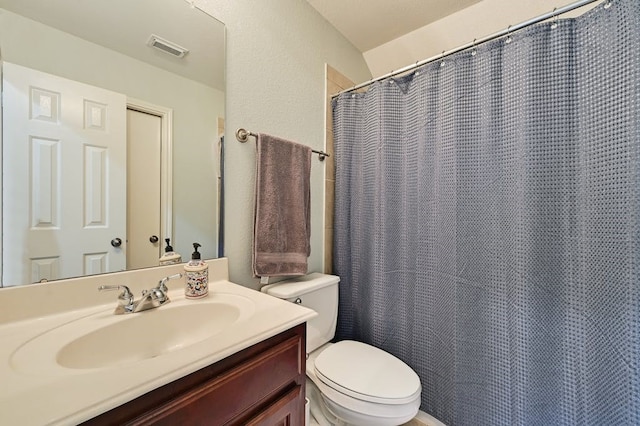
x=243, y=135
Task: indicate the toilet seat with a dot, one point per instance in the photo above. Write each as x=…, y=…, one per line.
x=366, y=373
x=348, y=408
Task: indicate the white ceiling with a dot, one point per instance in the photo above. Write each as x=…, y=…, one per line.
x=371, y=23
x=125, y=26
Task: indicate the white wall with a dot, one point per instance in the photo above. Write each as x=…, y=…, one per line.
x=475, y=22
x=276, y=51
x=195, y=107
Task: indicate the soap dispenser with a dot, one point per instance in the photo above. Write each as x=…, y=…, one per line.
x=169, y=257
x=196, y=274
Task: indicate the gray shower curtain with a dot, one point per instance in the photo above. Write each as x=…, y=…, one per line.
x=487, y=224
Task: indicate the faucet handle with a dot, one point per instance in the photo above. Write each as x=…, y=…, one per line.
x=125, y=299
x=162, y=284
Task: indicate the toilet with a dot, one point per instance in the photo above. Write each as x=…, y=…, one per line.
x=348, y=382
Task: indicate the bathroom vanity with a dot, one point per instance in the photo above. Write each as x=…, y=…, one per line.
x=236, y=356
x=260, y=385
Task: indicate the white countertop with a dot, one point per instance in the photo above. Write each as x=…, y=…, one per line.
x=63, y=396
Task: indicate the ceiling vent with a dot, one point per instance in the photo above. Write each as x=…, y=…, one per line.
x=167, y=46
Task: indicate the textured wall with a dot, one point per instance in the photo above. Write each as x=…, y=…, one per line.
x=276, y=55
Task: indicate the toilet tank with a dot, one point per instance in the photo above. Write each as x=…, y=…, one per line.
x=315, y=291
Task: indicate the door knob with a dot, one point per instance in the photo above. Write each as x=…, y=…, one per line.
x=116, y=242
x=153, y=239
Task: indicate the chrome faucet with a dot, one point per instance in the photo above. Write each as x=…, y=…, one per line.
x=150, y=299
x=125, y=299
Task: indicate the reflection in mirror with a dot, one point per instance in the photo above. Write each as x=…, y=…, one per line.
x=111, y=124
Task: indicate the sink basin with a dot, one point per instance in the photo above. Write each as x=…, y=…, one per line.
x=148, y=335
x=107, y=341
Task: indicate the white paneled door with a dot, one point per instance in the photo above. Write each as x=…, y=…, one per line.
x=64, y=177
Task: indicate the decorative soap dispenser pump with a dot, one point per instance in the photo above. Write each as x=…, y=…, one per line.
x=169, y=257
x=196, y=274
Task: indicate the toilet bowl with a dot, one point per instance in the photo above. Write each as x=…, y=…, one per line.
x=348, y=382
x=363, y=385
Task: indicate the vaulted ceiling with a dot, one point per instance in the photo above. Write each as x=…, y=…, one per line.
x=371, y=23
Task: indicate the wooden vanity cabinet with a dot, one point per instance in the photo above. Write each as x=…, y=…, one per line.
x=260, y=385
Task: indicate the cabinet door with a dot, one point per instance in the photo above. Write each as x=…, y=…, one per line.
x=283, y=412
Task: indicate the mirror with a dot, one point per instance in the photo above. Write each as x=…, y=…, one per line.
x=166, y=172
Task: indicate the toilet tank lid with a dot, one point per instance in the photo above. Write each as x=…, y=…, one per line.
x=298, y=286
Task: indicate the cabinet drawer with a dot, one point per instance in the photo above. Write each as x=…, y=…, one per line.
x=237, y=393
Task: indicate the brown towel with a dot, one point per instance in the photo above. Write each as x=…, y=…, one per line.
x=282, y=228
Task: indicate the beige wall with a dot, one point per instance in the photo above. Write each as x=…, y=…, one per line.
x=276, y=55
x=475, y=22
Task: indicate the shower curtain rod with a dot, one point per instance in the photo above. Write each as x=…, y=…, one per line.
x=508, y=31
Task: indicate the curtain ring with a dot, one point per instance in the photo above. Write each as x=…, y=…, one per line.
x=508, y=40
x=607, y=5
x=417, y=70
x=474, y=50
x=442, y=61
x=554, y=25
